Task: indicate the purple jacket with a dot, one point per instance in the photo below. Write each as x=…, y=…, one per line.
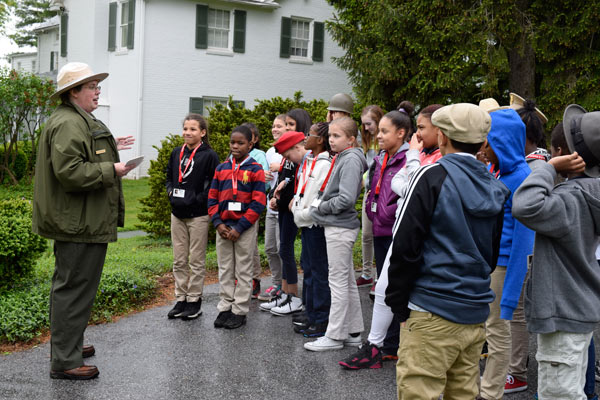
x=385, y=216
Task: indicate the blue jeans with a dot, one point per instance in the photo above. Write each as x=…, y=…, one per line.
x=287, y=236
x=381, y=244
x=317, y=295
x=590, y=373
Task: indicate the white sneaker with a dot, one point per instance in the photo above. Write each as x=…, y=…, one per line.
x=353, y=341
x=274, y=302
x=324, y=344
x=289, y=306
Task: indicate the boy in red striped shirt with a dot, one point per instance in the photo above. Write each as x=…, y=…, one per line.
x=235, y=201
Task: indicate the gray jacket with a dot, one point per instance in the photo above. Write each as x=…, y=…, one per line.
x=563, y=291
x=338, y=201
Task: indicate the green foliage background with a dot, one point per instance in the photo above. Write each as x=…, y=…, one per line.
x=437, y=51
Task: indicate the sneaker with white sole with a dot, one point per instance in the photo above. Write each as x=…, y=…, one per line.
x=274, y=302
x=324, y=344
x=289, y=306
x=353, y=341
x=514, y=385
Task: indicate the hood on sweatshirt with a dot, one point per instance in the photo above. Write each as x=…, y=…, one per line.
x=507, y=138
x=353, y=152
x=480, y=193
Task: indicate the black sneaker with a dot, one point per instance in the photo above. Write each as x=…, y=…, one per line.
x=234, y=321
x=177, y=310
x=222, y=318
x=367, y=356
x=316, y=330
x=192, y=310
x=301, y=328
x=300, y=319
x=255, y=288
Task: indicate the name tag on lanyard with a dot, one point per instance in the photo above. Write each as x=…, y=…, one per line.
x=234, y=206
x=179, y=193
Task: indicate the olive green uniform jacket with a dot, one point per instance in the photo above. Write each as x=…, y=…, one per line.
x=77, y=194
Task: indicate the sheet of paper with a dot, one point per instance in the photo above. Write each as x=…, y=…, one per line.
x=135, y=161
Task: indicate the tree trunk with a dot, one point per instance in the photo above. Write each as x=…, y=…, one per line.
x=521, y=58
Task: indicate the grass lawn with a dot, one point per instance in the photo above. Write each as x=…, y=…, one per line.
x=133, y=191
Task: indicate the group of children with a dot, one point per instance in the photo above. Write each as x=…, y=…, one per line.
x=451, y=211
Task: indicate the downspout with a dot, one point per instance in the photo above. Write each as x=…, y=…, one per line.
x=140, y=91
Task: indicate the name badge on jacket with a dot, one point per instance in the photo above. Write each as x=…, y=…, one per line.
x=234, y=206
x=179, y=193
x=101, y=151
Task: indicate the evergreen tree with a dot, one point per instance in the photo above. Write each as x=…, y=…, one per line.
x=28, y=14
x=438, y=51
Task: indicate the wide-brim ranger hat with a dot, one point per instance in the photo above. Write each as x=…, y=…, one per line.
x=582, y=133
x=463, y=122
x=516, y=102
x=74, y=74
x=288, y=140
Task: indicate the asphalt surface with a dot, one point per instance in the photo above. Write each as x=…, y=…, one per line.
x=146, y=356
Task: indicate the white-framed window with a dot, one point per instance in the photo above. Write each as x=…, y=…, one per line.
x=300, y=38
x=122, y=21
x=18, y=65
x=219, y=29
x=211, y=102
x=33, y=66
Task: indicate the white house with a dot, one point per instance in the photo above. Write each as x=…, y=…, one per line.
x=23, y=62
x=169, y=57
x=48, y=44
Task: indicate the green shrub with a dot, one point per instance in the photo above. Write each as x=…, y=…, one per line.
x=19, y=166
x=128, y=279
x=19, y=246
x=155, y=215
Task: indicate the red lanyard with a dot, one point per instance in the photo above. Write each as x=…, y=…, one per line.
x=181, y=174
x=234, y=179
x=492, y=167
x=309, y=175
x=385, y=160
x=283, y=160
x=536, y=157
x=324, y=185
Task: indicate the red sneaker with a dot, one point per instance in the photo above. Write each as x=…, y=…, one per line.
x=362, y=281
x=514, y=385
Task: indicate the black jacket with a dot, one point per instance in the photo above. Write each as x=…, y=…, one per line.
x=196, y=181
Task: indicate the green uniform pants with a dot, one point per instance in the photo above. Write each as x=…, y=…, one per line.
x=75, y=282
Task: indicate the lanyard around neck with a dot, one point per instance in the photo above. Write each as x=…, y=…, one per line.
x=234, y=179
x=182, y=174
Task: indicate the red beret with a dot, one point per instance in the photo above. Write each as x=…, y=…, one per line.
x=288, y=140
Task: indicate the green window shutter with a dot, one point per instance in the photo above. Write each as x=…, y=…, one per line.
x=112, y=26
x=318, y=41
x=64, y=24
x=197, y=105
x=131, y=24
x=201, y=26
x=239, y=31
x=286, y=37
x=51, y=61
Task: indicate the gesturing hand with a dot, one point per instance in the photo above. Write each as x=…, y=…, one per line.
x=124, y=142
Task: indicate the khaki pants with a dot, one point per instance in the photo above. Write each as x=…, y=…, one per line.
x=438, y=356
x=256, y=267
x=74, y=285
x=562, y=360
x=499, y=343
x=345, y=314
x=520, y=342
x=236, y=262
x=189, y=237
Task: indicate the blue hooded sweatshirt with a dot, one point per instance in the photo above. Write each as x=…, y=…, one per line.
x=507, y=139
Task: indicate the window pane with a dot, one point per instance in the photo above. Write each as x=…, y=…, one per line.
x=218, y=28
x=124, y=13
x=300, y=38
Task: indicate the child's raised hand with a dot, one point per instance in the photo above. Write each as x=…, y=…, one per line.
x=274, y=167
x=415, y=143
x=569, y=164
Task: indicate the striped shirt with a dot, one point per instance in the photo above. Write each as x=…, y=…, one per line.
x=250, y=178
